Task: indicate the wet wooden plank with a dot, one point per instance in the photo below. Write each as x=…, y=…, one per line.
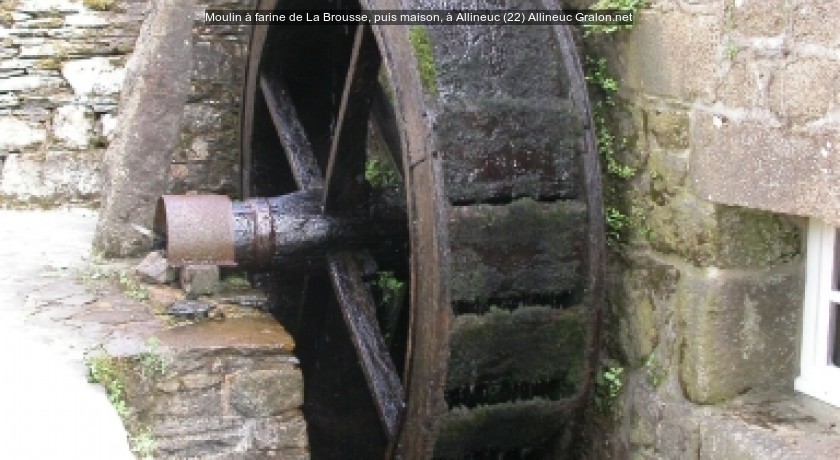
x=357, y=309
x=525, y=249
x=501, y=149
x=531, y=345
x=501, y=428
x=386, y=119
x=346, y=164
x=292, y=137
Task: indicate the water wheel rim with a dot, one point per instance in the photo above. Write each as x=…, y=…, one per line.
x=424, y=376
x=419, y=182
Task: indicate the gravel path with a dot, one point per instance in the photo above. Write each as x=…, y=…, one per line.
x=48, y=410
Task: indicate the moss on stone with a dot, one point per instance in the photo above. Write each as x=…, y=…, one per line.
x=755, y=239
x=99, y=5
x=50, y=63
x=424, y=54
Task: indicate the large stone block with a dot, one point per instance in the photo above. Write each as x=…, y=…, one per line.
x=662, y=426
x=816, y=23
x=668, y=127
x=93, y=76
x=758, y=164
x=265, y=393
x=61, y=175
x=805, y=89
x=16, y=134
x=199, y=280
x=706, y=234
x=72, y=125
x=739, y=330
x=668, y=172
x=286, y=432
x=760, y=17
x=745, y=82
x=153, y=98
x=645, y=301
x=673, y=54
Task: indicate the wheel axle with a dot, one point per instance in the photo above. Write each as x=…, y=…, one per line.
x=259, y=233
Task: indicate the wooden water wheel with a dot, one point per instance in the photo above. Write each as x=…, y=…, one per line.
x=434, y=235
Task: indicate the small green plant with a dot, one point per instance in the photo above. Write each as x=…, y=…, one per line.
x=598, y=75
x=419, y=38
x=638, y=217
x=617, y=222
x=390, y=287
x=99, y=5
x=143, y=444
x=655, y=375
x=732, y=51
x=131, y=287
x=236, y=282
x=151, y=361
x=99, y=142
x=608, y=385
x=106, y=371
x=379, y=173
x=50, y=63
x=610, y=146
x=625, y=5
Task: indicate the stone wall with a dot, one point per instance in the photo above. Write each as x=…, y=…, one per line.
x=61, y=69
x=62, y=64
x=706, y=298
x=207, y=157
x=211, y=389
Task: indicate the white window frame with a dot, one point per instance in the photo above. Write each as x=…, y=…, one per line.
x=818, y=376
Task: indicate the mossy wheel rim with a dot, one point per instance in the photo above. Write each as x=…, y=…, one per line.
x=500, y=267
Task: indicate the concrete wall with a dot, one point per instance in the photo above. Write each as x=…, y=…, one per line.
x=722, y=101
x=62, y=64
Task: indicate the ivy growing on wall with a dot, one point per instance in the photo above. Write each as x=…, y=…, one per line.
x=611, y=145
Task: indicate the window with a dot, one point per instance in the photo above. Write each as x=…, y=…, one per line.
x=820, y=364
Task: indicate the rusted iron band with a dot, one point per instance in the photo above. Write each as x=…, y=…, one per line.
x=198, y=229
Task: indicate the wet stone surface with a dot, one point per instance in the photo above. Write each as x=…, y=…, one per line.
x=227, y=385
x=48, y=318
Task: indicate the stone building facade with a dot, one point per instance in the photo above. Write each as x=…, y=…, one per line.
x=731, y=109
x=62, y=67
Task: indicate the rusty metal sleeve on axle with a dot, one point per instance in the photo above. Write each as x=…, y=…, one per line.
x=260, y=233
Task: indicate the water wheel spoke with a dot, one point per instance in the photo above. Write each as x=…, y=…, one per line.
x=357, y=308
x=345, y=168
x=290, y=132
x=386, y=120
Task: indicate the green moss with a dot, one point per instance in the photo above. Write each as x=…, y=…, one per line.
x=608, y=386
x=754, y=238
x=131, y=287
x=143, y=444
x=626, y=5
x=99, y=5
x=99, y=142
x=380, y=173
x=502, y=427
x=109, y=372
x=424, y=54
x=530, y=345
x=235, y=282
